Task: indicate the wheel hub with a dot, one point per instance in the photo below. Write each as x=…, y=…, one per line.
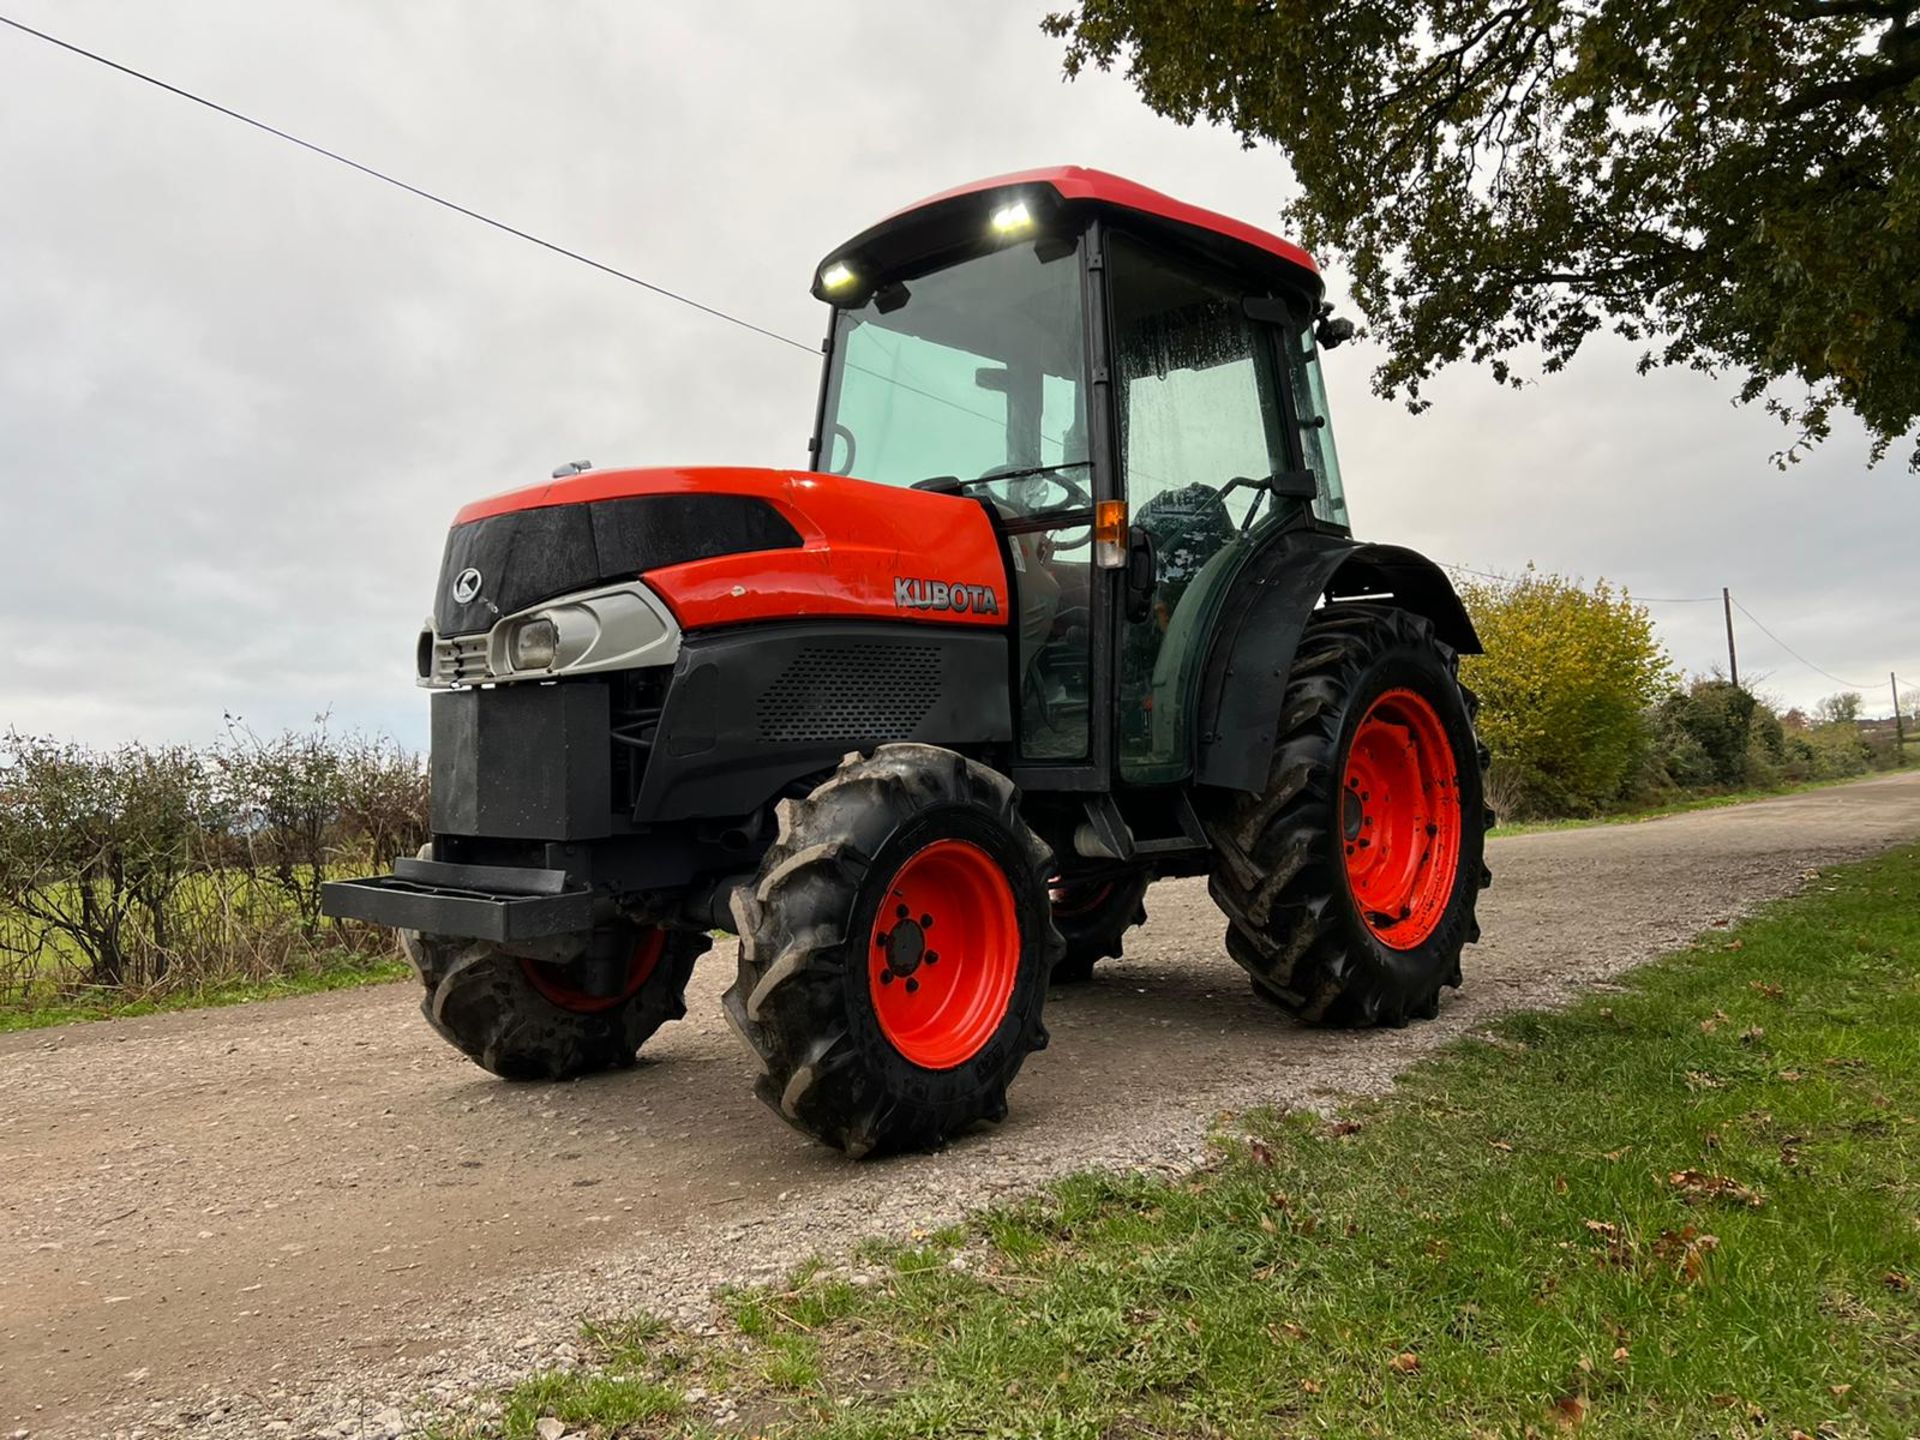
x=905, y=945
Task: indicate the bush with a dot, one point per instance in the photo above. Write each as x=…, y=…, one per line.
x=1564, y=686
x=1714, y=735
x=144, y=869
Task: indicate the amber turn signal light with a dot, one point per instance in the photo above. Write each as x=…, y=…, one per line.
x=1110, y=534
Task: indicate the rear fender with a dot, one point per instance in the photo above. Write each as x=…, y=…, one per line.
x=1245, y=679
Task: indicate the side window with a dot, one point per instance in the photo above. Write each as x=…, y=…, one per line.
x=1316, y=429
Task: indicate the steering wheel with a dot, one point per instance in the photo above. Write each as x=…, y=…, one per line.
x=1076, y=492
x=841, y=432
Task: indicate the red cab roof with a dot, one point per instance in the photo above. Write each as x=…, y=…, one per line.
x=1076, y=182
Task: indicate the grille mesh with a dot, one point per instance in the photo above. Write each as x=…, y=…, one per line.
x=461, y=660
x=852, y=692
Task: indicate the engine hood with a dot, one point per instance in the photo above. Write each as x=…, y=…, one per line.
x=726, y=545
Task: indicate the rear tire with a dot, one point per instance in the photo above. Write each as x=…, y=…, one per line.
x=860, y=1047
x=1347, y=906
x=1093, y=917
x=522, y=1020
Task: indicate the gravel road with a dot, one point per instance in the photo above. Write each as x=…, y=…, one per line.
x=300, y=1217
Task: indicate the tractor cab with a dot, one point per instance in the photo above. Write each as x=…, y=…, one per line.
x=1131, y=386
x=1065, y=603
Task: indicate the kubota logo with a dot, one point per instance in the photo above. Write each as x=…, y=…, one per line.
x=911, y=594
x=466, y=585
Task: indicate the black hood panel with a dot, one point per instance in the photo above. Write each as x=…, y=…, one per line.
x=526, y=556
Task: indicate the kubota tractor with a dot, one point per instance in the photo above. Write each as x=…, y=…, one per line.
x=1066, y=602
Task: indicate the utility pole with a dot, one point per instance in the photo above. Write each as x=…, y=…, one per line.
x=1733, y=660
x=1899, y=728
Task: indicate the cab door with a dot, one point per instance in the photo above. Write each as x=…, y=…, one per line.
x=1202, y=420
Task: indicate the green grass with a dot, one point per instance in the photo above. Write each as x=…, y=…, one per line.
x=325, y=970
x=1682, y=805
x=1688, y=1207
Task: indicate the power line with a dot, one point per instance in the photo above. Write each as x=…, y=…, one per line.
x=1850, y=684
x=439, y=200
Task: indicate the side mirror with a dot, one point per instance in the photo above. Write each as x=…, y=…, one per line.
x=1331, y=332
x=1142, y=574
x=1294, y=485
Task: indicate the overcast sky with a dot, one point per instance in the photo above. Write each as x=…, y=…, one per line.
x=242, y=390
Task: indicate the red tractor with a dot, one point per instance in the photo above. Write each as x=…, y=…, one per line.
x=1066, y=602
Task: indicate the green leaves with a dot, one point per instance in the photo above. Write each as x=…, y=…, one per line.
x=1732, y=185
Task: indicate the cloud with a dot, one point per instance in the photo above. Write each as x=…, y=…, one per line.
x=244, y=390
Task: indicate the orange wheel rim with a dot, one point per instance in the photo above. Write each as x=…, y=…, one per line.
x=1070, y=902
x=1400, y=823
x=640, y=967
x=943, y=955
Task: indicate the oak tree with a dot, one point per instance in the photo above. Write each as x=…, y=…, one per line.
x=1734, y=186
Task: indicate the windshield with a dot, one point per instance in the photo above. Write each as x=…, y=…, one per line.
x=968, y=372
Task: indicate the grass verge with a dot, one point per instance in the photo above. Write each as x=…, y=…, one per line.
x=326, y=970
x=1689, y=1206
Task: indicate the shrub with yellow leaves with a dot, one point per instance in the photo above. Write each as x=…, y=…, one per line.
x=1568, y=675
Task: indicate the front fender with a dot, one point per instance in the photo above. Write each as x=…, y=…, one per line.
x=1245, y=679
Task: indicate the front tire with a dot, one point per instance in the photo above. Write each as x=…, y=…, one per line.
x=523, y=1019
x=894, y=951
x=1093, y=917
x=1349, y=883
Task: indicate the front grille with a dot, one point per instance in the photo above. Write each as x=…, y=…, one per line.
x=461, y=660
x=854, y=691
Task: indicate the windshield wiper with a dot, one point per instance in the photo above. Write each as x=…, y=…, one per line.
x=950, y=484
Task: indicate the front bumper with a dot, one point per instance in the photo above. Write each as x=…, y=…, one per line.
x=479, y=902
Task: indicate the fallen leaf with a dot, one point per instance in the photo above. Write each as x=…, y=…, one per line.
x=1772, y=992
x=1838, y=1390
x=1291, y=1330
x=1752, y=1035
x=1406, y=1362
x=1792, y=1077
x=1559, y=1184
x=1502, y=1146
x=1266, y=1224
x=1698, y=1185
x=1897, y=1282
x=1569, y=1411
x=1621, y=1354
x=1700, y=1080
x=1257, y=1148
x=1615, y=1155
x=1341, y=1128
x=1686, y=1250
x=1312, y=1387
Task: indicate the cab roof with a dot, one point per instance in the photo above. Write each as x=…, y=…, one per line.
x=921, y=228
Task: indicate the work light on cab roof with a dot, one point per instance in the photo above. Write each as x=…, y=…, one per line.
x=1065, y=600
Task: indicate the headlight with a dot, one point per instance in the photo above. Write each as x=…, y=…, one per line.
x=532, y=644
